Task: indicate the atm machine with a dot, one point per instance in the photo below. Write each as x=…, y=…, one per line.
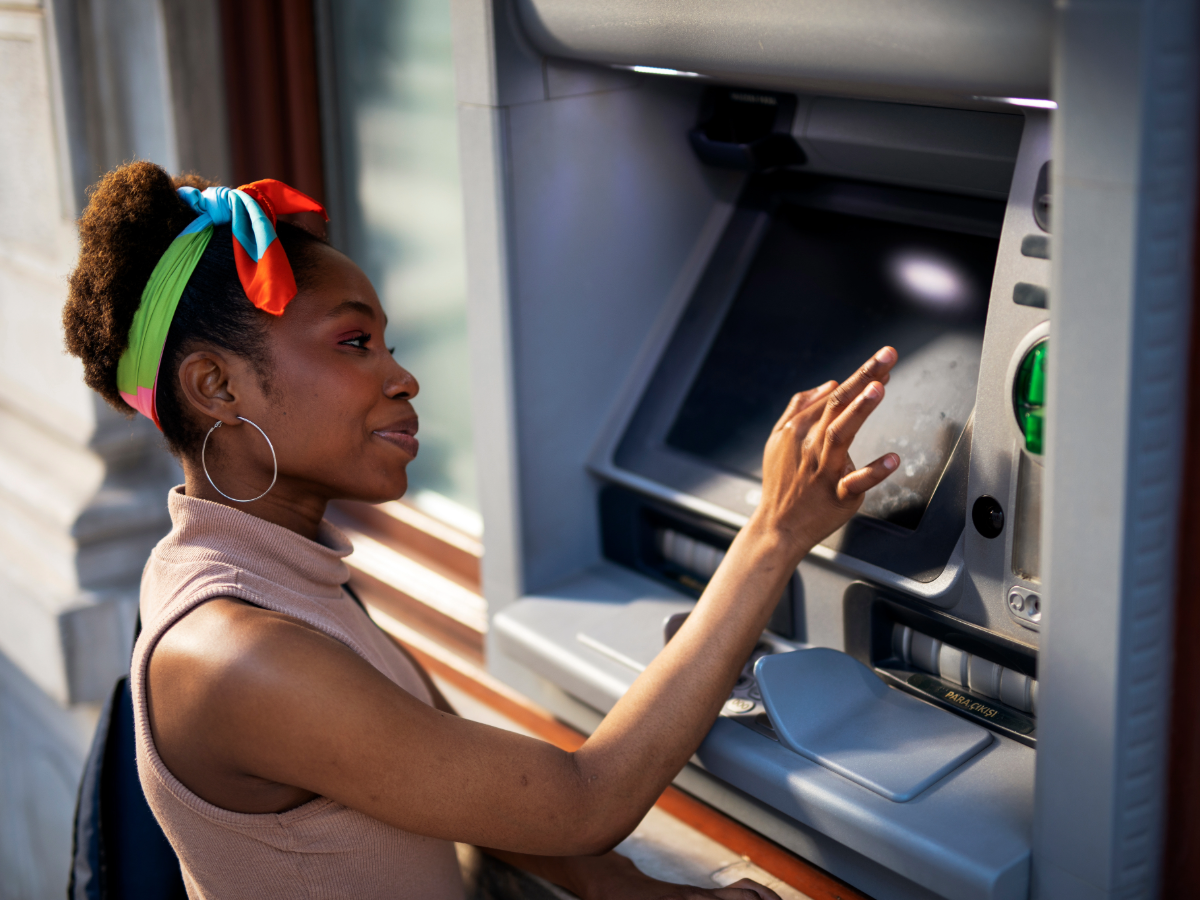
x=678, y=215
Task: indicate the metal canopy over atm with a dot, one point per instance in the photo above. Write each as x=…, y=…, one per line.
x=680, y=214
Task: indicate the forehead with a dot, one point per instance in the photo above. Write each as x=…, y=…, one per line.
x=333, y=286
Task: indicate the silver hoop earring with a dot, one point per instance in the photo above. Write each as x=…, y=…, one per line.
x=274, y=460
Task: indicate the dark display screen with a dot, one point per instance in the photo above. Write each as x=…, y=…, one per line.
x=825, y=291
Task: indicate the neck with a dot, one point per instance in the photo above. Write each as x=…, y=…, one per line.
x=285, y=505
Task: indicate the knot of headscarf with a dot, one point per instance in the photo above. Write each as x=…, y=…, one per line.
x=262, y=267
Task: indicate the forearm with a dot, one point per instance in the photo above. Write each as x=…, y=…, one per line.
x=652, y=731
x=810, y=487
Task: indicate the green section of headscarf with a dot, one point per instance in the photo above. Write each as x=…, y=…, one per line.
x=137, y=369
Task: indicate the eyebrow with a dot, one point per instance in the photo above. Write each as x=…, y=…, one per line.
x=352, y=306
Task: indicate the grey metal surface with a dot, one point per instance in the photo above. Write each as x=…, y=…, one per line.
x=872, y=878
x=967, y=836
x=581, y=211
x=913, y=48
x=1125, y=186
x=835, y=711
x=490, y=69
x=996, y=437
x=607, y=207
x=573, y=270
x=633, y=634
x=900, y=143
x=589, y=223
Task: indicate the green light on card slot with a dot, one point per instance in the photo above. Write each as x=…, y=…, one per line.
x=1029, y=397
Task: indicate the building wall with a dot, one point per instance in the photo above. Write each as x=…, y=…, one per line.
x=84, y=85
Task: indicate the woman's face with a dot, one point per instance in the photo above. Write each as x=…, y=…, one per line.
x=335, y=404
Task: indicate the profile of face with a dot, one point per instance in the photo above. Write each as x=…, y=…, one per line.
x=335, y=404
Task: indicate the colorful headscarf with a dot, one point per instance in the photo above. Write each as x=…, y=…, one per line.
x=262, y=268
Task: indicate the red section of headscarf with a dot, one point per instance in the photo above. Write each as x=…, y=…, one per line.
x=278, y=199
x=269, y=283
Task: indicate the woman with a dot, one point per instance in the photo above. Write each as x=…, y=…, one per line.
x=288, y=747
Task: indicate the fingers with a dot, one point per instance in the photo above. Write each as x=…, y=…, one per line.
x=745, y=889
x=862, y=480
x=804, y=400
x=876, y=369
x=840, y=433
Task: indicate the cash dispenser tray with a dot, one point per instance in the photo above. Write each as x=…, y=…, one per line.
x=832, y=709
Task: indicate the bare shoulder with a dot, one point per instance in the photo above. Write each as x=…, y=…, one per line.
x=227, y=659
x=226, y=637
x=229, y=682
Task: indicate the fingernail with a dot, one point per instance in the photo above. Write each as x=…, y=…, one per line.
x=873, y=391
x=886, y=355
x=891, y=461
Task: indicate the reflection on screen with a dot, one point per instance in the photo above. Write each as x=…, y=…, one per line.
x=823, y=293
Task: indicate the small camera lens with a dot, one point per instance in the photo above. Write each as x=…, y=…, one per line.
x=988, y=516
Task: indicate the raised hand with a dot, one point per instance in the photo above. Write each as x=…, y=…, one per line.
x=810, y=485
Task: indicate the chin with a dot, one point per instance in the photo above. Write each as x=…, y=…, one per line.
x=392, y=493
x=391, y=489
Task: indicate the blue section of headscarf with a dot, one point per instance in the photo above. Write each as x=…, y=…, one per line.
x=220, y=205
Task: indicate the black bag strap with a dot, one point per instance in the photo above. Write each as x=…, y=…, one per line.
x=119, y=851
x=87, y=841
x=353, y=596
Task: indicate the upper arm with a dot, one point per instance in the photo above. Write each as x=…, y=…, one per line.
x=439, y=699
x=276, y=700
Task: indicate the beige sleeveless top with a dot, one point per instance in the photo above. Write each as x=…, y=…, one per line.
x=321, y=849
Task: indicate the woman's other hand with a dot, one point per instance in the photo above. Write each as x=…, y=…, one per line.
x=645, y=888
x=810, y=485
x=615, y=877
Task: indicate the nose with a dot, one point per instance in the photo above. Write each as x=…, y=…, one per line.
x=400, y=384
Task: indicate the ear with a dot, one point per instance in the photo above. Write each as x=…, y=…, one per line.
x=209, y=380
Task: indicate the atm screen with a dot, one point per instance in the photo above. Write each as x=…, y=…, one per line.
x=824, y=291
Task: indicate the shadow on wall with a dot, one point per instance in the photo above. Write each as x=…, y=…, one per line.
x=41, y=757
x=113, y=536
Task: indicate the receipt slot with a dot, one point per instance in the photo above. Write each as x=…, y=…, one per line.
x=675, y=220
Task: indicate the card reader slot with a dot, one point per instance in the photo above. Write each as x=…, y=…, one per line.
x=952, y=663
x=978, y=675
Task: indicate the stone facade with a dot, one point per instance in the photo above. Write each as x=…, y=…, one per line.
x=86, y=84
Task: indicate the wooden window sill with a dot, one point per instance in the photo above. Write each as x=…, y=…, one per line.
x=417, y=570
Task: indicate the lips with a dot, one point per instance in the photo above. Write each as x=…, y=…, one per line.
x=402, y=435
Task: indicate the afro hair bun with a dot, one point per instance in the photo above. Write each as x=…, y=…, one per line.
x=133, y=214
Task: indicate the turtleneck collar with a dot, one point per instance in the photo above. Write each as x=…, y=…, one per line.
x=254, y=545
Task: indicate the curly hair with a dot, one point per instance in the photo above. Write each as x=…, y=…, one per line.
x=133, y=214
